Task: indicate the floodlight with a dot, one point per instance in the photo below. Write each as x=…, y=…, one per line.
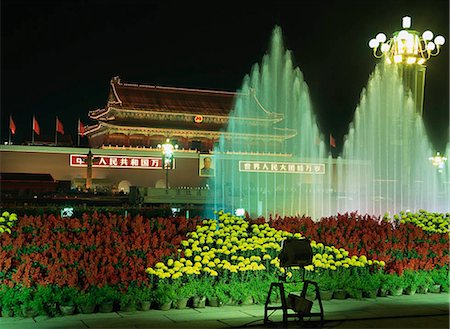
x=296, y=252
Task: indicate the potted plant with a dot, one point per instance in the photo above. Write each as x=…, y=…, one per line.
x=395, y=284
x=425, y=281
x=203, y=288
x=342, y=278
x=219, y=294
x=327, y=285
x=411, y=281
x=86, y=301
x=164, y=295
x=236, y=291
x=144, y=297
x=107, y=296
x=127, y=300
x=372, y=282
x=436, y=279
x=8, y=301
x=46, y=298
x=65, y=297
x=184, y=292
x=384, y=284
x=355, y=286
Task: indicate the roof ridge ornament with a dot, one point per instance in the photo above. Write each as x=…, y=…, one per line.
x=273, y=114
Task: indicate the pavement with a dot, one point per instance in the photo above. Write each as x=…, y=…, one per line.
x=406, y=311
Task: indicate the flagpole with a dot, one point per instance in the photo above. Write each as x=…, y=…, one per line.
x=56, y=132
x=78, y=132
x=32, y=131
x=9, y=135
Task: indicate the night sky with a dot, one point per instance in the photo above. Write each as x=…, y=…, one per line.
x=59, y=56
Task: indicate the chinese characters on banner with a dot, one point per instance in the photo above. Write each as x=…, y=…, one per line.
x=282, y=167
x=107, y=161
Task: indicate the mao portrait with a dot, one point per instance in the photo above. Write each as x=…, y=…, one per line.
x=206, y=166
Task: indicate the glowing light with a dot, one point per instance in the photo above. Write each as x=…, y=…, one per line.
x=427, y=35
x=406, y=44
x=381, y=37
x=385, y=47
x=410, y=60
x=66, y=212
x=373, y=43
x=439, y=40
x=406, y=22
x=239, y=212
x=421, y=61
x=403, y=34
x=431, y=46
x=438, y=161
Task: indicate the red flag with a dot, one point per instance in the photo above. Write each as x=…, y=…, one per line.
x=59, y=126
x=332, y=141
x=36, y=128
x=81, y=129
x=12, y=125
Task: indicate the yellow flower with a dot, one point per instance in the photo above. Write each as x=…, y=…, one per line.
x=177, y=275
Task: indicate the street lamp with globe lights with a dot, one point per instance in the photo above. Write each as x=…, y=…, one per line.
x=167, y=150
x=410, y=50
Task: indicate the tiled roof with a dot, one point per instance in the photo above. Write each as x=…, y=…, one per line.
x=174, y=100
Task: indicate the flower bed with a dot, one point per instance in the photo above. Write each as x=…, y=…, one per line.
x=232, y=252
x=7, y=221
x=431, y=222
x=87, y=253
x=47, y=260
x=404, y=246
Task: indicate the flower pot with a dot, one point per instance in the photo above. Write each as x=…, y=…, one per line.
x=357, y=294
x=214, y=302
x=230, y=302
x=7, y=313
x=435, y=288
x=87, y=308
x=396, y=291
x=144, y=305
x=383, y=292
x=106, y=307
x=181, y=303
x=165, y=306
x=422, y=290
x=198, y=302
x=247, y=300
x=326, y=294
x=128, y=308
x=29, y=312
x=67, y=309
x=410, y=291
x=340, y=294
x=370, y=293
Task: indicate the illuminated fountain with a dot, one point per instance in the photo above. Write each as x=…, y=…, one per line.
x=273, y=162
x=385, y=164
x=276, y=163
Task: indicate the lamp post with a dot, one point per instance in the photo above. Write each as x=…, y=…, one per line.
x=167, y=158
x=410, y=50
x=438, y=161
